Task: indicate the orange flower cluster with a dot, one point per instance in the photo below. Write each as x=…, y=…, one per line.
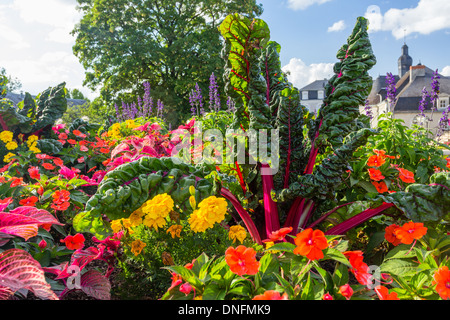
x=61, y=200
x=310, y=243
x=376, y=176
x=74, y=242
x=406, y=234
x=271, y=295
x=242, y=260
x=102, y=146
x=441, y=279
x=359, y=267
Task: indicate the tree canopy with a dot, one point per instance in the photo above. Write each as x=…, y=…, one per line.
x=170, y=44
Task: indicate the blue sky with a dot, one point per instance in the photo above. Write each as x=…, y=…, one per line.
x=37, y=46
x=309, y=42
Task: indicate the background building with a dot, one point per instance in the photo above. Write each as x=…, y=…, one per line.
x=409, y=86
x=312, y=95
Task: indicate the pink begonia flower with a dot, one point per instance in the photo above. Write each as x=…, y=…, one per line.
x=67, y=173
x=58, y=127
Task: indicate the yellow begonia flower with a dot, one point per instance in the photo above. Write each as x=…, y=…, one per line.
x=135, y=219
x=211, y=210
x=156, y=210
x=175, y=230
x=237, y=233
x=12, y=145
x=137, y=246
x=6, y=136
x=7, y=157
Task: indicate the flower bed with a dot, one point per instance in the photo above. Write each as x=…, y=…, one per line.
x=350, y=213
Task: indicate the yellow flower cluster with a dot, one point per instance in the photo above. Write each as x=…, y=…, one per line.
x=32, y=142
x=12, y=145
x=121, y=224
x=115, y=131
x=210, y=211
x=237, y=233
x=7, y=157
x=130, y=124
x=6, y=136
x=156, y=210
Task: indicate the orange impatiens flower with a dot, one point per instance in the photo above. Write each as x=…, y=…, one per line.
x=74, y=242
x=310, y=243
x=34, y=173
x=375, y=174
x=410, y=231
x=442, y=280
x=383, y=293
x=382, y=153
x=390, y=236
x=271, y=295
x=359, y=267
x=346, y=291
x=242, y=260
x=380, y=186
x=60, y=196
x=48, y=166
x=376, y=161
x=30, y=201
x=278, y=235
x=78, y=133
x=406, y=176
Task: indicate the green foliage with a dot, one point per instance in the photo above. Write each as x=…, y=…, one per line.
x=170, y=44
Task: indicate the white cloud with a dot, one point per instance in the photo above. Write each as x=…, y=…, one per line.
x=12, y=38
x=446, y=71
x=337, y=26
x=428, y=16
x=49, y=69
x=58, y=14
x=303, y=4
x=302, y=74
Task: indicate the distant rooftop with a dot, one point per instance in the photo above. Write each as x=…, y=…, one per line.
x=316, y=85
x=17, y=97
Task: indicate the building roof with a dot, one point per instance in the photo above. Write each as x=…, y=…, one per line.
x=16, y=98
x=409, y=88
x=411, y=85
x=379, y=89
x=316, y=85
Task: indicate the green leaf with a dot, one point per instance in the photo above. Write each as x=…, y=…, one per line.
x=401, y=251
x=399, y=267
x=282, y=246
x=214, y=292
x=331, y=253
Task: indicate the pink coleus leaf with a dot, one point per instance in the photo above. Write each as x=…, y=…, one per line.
x=19, y=270
x=5, y=202
x=5, y=293
x=25, y=221
x=96, y=285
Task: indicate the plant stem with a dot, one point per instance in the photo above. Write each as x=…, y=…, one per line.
x=251, y=227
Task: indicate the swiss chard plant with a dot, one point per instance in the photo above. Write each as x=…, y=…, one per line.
x=35, y=117
x=314, y=153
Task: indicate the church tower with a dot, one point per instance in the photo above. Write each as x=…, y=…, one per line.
x=404, y=62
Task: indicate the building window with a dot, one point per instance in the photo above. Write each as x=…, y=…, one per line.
x=320, y=95
x=443, y=103
x=304, y=95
